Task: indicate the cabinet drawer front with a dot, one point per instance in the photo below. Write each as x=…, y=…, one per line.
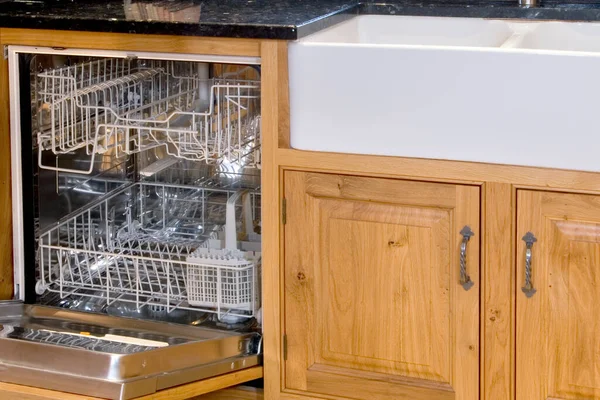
x=373, y=300
x=558, y=325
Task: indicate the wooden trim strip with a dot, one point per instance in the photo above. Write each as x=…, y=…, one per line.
x=132, y=42
x=497, y=293
x=273, y=55
x=438, y=170
x=6, y=265
x=9, y=391
x=234, y=393
x=190, y=390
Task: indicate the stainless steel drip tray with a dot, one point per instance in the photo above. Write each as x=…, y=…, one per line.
x=112, y=357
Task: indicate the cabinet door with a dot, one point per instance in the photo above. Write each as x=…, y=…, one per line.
x=373, y=304
x=558, y=326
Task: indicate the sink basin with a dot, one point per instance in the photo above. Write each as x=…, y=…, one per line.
x=495, y=91
x=385, y=29
x=580, y=37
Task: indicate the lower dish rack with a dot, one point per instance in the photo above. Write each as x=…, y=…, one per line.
x=161, y=246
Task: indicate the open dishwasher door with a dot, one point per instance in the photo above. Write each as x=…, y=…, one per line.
x=113, y=357
x=136, y=213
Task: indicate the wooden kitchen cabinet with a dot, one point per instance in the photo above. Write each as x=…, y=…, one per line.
x=558, y=327
x=373, y=303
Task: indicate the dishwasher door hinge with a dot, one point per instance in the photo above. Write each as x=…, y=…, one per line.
x=283, y=211
x=5, y=51
x=285, y=351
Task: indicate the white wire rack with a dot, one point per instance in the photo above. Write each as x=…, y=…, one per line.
x=122, y=106
x=135, y=246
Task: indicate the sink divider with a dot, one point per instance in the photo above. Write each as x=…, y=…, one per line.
x=519, y=32
x=513, y=40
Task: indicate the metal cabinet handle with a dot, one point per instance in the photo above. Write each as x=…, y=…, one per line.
x=529, y=240
x=465, y=279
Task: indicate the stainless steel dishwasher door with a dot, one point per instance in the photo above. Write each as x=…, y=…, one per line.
x=113, y=357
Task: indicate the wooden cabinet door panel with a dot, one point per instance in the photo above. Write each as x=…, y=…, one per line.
x=558, y=328
x=373, y=304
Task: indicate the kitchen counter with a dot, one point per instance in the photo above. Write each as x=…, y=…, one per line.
x=264, y=19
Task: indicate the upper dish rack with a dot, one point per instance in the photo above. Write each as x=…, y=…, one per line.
x=123, y=106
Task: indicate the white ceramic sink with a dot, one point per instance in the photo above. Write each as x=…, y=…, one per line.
x=579, y=37
x=494, y=91
x=374, y=29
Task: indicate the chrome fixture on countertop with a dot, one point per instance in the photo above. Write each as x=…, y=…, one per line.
x=528, y=3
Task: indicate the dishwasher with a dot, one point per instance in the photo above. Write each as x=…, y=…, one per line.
x=136, y=220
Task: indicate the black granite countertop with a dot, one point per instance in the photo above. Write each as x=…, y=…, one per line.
x=268, y=19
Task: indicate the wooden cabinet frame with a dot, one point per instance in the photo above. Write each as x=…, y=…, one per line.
x=498, y=187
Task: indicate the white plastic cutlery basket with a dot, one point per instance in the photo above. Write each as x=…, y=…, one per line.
x=227, y=276
x=122, y=106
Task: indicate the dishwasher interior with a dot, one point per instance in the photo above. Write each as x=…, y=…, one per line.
x=137, y=219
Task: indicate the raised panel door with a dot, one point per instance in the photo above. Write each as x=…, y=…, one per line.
x=373, y=304
x=558, y=325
